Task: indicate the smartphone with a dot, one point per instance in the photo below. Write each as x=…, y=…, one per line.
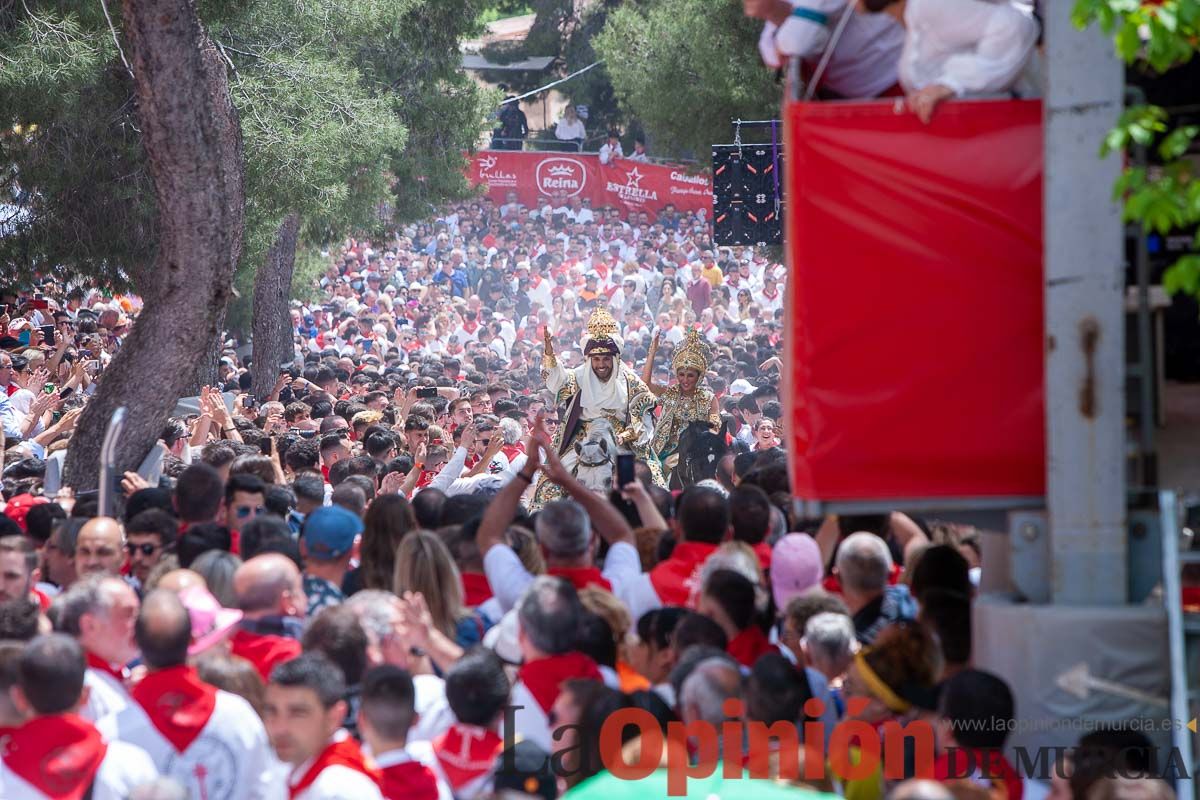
x=3, y=309
x=265, y=444
x=250, y=401
x=48, y=334
x=625, y=473
x=65, y=393
x=94, y=365
x=425, y=392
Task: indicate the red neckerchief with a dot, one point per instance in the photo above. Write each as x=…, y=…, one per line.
x=12, y=389
x=465, y=752
x=832, y=585
x=342, y=753
x=535, y=280
x=59, y=754
x=581, y=577
x=476, y=589
x=97, y=663
x=408, y=780
x=676, y=579
x=178, y=704
x=990, y=767
x=426, y=478
x=763, y=551
x=511, y=451
x=42, y=600
x=770, y=296
x=748, y=645
x=544, y=677
x=264, y=650
x=610, y=292
x=470, y=327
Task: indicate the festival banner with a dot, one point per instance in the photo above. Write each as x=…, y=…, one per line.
x=623, y=184
x=915, y=347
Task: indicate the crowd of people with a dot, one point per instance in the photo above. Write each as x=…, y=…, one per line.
x=523, y=472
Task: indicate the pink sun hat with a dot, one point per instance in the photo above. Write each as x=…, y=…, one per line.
x=795, y=567
x=211, y=622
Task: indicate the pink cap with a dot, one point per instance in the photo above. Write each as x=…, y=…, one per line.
x=795, y=567
x=211, y=623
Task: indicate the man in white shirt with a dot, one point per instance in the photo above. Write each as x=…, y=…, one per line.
x=209, y=740
x=770, y=297
x=56, y=753
x=564, y=530
x=611, y=149
x=955, y=48
x=385, y=717
x=303, y=711
x=100, y=611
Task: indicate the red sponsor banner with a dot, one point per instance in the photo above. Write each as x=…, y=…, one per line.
x=915, y=351
x=624, y=184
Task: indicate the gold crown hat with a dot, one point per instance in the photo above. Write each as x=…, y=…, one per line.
x=601, y=323
x=603, y=336
x=693, y=353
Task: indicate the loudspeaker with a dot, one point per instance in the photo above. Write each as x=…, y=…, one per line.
x=747, y=194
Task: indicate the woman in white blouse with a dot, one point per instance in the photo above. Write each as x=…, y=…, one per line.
x=954, y=48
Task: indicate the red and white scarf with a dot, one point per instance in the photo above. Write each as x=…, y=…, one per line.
x=178, y=704
x=118, y=674
x=677, y=579
x=544, y=677
x=58, y=754
x=344, y=752
x=466, y=752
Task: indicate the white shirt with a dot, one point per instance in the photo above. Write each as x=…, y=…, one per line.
x=970, y=46
x=508, y=577
x=434, y=714
x=230, y=760
x=105, y=695
x=639, y=157
x=608, y=152
x=566, y=130
x=335, y=782
x=124, y=768
x=864, y=63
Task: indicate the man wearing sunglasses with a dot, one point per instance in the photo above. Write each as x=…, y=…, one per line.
x=148, y=536
x=244, y=500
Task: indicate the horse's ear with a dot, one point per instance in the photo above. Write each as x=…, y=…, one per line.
x=604, y=446
x=578, y=447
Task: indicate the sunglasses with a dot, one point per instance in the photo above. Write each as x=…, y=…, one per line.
x=244, y=511
x=551, y=422
x=145, y=549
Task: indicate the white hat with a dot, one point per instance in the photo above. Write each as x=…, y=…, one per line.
x=740, y=386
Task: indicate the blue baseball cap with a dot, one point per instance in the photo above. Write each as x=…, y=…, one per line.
x=329, y=532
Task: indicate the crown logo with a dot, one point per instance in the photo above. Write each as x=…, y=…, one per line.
x=561, y=170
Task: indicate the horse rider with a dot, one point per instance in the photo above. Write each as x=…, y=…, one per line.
x=603, y=387
x=688, y=400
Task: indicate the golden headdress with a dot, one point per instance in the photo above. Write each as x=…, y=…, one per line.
x=693, y=353
x=603, y=336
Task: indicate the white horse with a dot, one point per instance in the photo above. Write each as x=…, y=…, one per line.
x=595, y=456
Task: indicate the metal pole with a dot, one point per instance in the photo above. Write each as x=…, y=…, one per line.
x=1168, y=511
x=1084, y=312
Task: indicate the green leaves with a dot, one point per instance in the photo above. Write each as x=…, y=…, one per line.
x=685, y=69
x=1160, y=34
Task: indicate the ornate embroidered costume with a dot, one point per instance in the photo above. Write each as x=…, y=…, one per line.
x=679, y=409
x=589, y=406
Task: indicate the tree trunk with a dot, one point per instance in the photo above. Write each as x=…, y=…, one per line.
x=193, y=142
x=272, y=325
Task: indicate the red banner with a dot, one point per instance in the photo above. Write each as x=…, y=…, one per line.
x=915, y=295
x=624, y=184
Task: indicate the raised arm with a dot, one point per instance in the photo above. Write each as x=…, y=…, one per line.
x=648, y=370
x=605, y=518
x=503, y=508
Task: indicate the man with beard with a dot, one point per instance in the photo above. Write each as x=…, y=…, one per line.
x=602, y=388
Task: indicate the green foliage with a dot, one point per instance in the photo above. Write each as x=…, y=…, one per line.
x=686, y=68
x=1163, y=198
x=340, y=100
